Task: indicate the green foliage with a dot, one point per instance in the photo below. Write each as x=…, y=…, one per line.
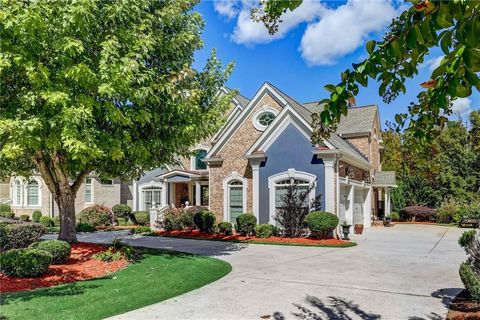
x=25, y=217
x=246, y=223
x=85, y=227
x=321, y=223
x=470, y=270
x=446, y=212
x=46, y=221
x=121, y=211
x=265, y=230
x=179, y=218
x=205, y=221
x=58, y=249
x=122, y=221
x=471, y=210
x=56, y=221
x=108, y=255
x=20, y=235
x=225, y=227
x=9, y=215
x=451, y=26
x=143, y=229
x=96, y=216
x=417, y=213
x=395, y=216
x=142, y=218
x=36, y=216
x=471, y=280
x=25, y=262
x=5, y=208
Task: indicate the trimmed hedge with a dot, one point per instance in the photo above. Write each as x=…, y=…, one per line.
x=9, y=215
x=265, y=230
x=121, y=211
x=142, y=218
x=56, y=221
x=46, y=221
x=85, y=227
x=36, y=215
x=225, y=228
x=246, y=223
x=59, y=249
x=470, y=280
x=205, y=221
x=321, y=223
x=5, y=208
x=143, y=229
x=20, y=235
x=25, y=217
x=417, y=213
x=25, y=262
x=96, y=216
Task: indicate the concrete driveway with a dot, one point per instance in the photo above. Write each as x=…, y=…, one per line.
x=404, y=272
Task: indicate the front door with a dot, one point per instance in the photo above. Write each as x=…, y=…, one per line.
x=181, y=194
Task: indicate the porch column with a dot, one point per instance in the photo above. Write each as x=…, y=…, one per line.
x=329, y=184
x=367, y=214
x=163, y=200
x=255, y=189
x=198, y=193
x=135, y=195
x=387, y=202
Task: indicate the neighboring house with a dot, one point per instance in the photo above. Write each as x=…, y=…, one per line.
x=245, y=167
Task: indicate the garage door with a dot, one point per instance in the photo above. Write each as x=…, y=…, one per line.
x=358, y=201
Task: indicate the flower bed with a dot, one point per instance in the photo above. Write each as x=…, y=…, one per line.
x=195, y=234
x=80, y=266
x=462, y=307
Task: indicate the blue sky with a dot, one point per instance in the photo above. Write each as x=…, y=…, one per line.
x=314, y=44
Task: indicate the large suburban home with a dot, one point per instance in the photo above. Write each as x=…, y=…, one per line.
x=263, y=147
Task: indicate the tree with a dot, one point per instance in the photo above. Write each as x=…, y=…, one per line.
x=105, y=86
x=453, y=26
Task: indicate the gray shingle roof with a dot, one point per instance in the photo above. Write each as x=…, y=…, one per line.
x=242, y=100
x=385, y=178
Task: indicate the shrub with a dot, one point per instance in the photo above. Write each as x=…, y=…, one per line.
x=5, y=208
x=59, y=249
x=417, y=213
x=96, y=216
x=20, y=235
x=36, y=216
x=246, y=223
x=471, y=210
x=108, y=255
x=143, y=229
x=265, y=230
x=205, y=221
x=186, y=220
x=122, y=221
x=9, y=215
x=142, y=218
x=395, y=216
x=178, y=219
x=46, y=221
x=121, y=211
x=25, y=262
x=471, y=280
x=225, y=227
x=321, y=223
x=85, y=227
x=446, y=211
x=56, y=221
x=25, y=217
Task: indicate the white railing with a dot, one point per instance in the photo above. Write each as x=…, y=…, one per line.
x=156, y=216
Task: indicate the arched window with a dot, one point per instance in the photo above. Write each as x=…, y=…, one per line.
x=264, y=117
x=33, y=193
x=17, y=193
x=199, y=164
x=235, y=199
x=281, y=188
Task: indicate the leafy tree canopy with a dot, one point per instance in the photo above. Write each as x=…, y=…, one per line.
x=105, y=86
x=453, y=26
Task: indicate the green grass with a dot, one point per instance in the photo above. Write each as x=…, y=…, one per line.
x=160, y=275
x=53, y=229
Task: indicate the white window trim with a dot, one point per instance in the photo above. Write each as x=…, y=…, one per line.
x=151, y=184
x=14, y=193
x=92, y=200
x=289, y=174
x=25, y=192
x=226, y=193
x=257, y=115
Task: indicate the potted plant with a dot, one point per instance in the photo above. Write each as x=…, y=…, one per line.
x=358, y=228
x=386, y=222
x=345, y=229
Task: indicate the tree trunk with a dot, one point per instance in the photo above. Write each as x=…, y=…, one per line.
x=66, y=208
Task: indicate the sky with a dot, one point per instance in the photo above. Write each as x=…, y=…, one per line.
x=314, y=44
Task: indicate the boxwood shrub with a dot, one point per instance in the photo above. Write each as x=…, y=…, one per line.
x=246, y=223
x=5, y=208
x=9, y=215
x=85, y=227
x=471, y=280
x=321, y=223
x=36, y=215
x=265, y=230
x=59, y=249
x=96, y=216
x=205, y=221
x=225, y=228
x=20, y=235
x=142, y=218
x=46, y=221
x=121, y=211
x=25, y=262
x=25, y=217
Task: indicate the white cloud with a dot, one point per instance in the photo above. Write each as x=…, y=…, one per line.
x=342, y=30
x=227, y=8
x=461, y=106
x=433, y=63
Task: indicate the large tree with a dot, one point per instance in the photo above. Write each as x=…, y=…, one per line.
x=104, y=86
x=453, y=26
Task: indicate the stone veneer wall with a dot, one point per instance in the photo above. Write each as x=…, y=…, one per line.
x=233, y=154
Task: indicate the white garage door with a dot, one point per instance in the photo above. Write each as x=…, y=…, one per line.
x=358, y=202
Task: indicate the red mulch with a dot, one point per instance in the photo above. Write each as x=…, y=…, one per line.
x=463, y=308
x=238, y=237
x=80, y=266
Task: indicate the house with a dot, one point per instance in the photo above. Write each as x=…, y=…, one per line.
x=245, y=167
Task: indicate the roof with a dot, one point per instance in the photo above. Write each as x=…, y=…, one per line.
x=359, y=119
x=242, y=100
x=385, y=178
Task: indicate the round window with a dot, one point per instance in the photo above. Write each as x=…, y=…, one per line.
x=266, y=118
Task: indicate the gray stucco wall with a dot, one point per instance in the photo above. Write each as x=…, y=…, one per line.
x=291, y=150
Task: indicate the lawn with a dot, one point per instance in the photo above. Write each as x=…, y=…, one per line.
x=160, y=275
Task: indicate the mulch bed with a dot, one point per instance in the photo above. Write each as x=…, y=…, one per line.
x=463, y=308
x=195, y=234
x=80, y=266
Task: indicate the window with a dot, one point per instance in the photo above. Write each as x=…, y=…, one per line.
x=204, y=192
x=33, y=193
x=281, y=189
x=264, y=117
x=199, y=164
x=17, y=193
x=106, y=181
x=235, y=189
x=151, y=195
x=88, y=190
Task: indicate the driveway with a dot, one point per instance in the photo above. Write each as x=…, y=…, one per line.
x=404, y=272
